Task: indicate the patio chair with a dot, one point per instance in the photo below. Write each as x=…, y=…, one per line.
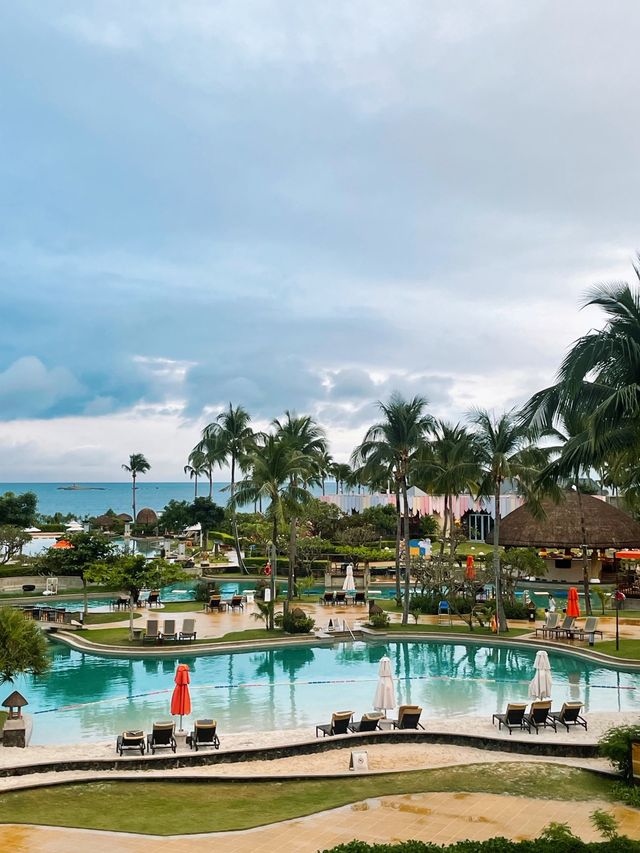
x=215, y=603
x=169, y=630
x=339, y=724
x=551, y=623
x=408, y=717
x=204, y=734
x=153, y=599
x=567, y=628
x=368, y=723
x=188, y=631
x=569, y=715
x=590, y=627
x=236, y=603
x=513, y=718
x=327, y=598
x=161, y=737
x=341, y=597
x=539, y=717
x=130, y=740
x=151, y=634
x=360, y=598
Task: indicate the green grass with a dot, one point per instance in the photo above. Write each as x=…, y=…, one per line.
x=177, y=607
x=3, y=717
x=102, y=618
x=397, y=628
x=629, y=649
x=216, y=806
x=120, y=637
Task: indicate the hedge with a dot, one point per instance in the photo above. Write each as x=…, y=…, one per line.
x=567, y=844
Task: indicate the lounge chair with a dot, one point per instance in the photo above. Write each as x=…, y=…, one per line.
x=204, y=734
x=360, y=598
x=161, y=737
x=236, y=603
x=151, y=634
x=539, y=717
x=130, y=740
x=551, y=623
x=590, y=627
x=368, y=723
x=339, y=724
x=341, y=597
x=569, y=715
x=408, y=717
x=153, y=599
x=513, y=718
x=215, y=603
x=327, y=598
x=188, y=631
x=567, y=628
x=169, y=630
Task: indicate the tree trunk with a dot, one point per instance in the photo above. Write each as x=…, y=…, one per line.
x=292, y=558
x=323, y=487
x=195, y=489
x=84, y=593
x=210, y=484
x=501, y=621
x=337, y=485
x=451, y=529
x=444, y=523
x=407, y=555
x=585, y=556
x=133, y=496
x=274, y=571
x=234, y=520
x=130, y=615
x=398, y=537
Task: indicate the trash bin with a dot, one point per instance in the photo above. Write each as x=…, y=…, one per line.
x=532, y=614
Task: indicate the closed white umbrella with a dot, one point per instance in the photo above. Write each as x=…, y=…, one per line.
x=541, y=683
x=349, y=584
x=385, y=696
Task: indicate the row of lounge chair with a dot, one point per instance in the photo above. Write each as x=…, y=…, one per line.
x=342, y=721
x=568, y=628
x=163, y=737
x=540, y=716
x=341, y=597
x=153, y=634
x=216, y=602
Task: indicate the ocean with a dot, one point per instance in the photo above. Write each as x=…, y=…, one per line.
x=96, y=498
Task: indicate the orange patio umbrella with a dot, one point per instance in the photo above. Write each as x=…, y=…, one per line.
x=180, y=699
x=62, y=544
x=573, y=607
x=470, y=571
x=628, y=555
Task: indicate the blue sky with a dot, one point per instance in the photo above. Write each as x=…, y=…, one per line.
x=298, y=206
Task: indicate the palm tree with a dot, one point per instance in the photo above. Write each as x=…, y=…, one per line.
x=396, y=442
x=342, y=473
x=197, y=467
x=233, y=437
x=274, y=470
x=448, y=466
x=325, y=466
x=137, y=465
x=213, y=454
x=304, y=436
x=505, y=451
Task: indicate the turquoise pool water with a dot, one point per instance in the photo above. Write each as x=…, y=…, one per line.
x=88, y=696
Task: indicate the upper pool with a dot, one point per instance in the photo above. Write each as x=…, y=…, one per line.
x=87, y=696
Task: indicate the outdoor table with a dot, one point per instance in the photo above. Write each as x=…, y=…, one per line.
x=137, y=634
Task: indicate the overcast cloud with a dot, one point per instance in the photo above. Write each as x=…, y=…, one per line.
x=298, y=205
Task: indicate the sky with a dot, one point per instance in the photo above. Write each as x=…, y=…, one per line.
x=299, y=206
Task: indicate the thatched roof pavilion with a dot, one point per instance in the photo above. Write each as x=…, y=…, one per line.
x=146, y=516
x=606, y=526
x=124, y=516
x=105, y=520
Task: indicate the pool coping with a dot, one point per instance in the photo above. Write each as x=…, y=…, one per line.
x=517, y=746
x=323, y=639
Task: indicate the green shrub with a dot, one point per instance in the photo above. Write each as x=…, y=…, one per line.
x=204, y=589
x=615, y=744
x=296, y=621
x=515, y=609
x=428, y=604
x=556, y=839
x=379, y=620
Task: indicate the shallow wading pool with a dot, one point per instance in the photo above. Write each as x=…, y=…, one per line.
x=90, y=697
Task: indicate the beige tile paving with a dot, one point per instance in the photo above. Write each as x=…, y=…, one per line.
x=438, y=817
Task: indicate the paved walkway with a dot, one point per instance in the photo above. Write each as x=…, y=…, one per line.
x=439, y=817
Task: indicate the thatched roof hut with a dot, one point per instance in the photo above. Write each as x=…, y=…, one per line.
x=606, y=526
x=124, y=516
x=146, y=516
x=105, y=521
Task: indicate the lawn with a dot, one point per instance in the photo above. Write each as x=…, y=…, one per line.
x=397, y=628
x=629, y=649
x=103, y=618
x=216, y=806
x=120, y=637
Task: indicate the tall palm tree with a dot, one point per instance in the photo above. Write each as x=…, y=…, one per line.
x=505, y=451
x=342, y=473
x=325, y=466
x=137, y=465
x=304, y=436
x=213, y=454
x=197, y=467
x=274, y=470
x=234, y=438
x=396, y=441
x=448, y=466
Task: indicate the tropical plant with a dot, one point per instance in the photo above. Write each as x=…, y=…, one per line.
x=274, y=471
x=212, y=453
x=302, y=435
x=505, y=452
x=342, y=474
x=137, y=465
x=23, y=647
x=615, y=744
x=86, y=551
x=325, y=467
x=12, y=541
x=18, y=510
x=197, y=467
x=232, y=438
x=395, y=443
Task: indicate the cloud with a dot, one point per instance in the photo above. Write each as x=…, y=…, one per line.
x=28, y=387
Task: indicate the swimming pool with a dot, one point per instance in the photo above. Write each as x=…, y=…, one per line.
x=88, y=697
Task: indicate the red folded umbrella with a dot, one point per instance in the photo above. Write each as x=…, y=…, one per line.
x=470, y=571
x=180, y=699
x=573, y=607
